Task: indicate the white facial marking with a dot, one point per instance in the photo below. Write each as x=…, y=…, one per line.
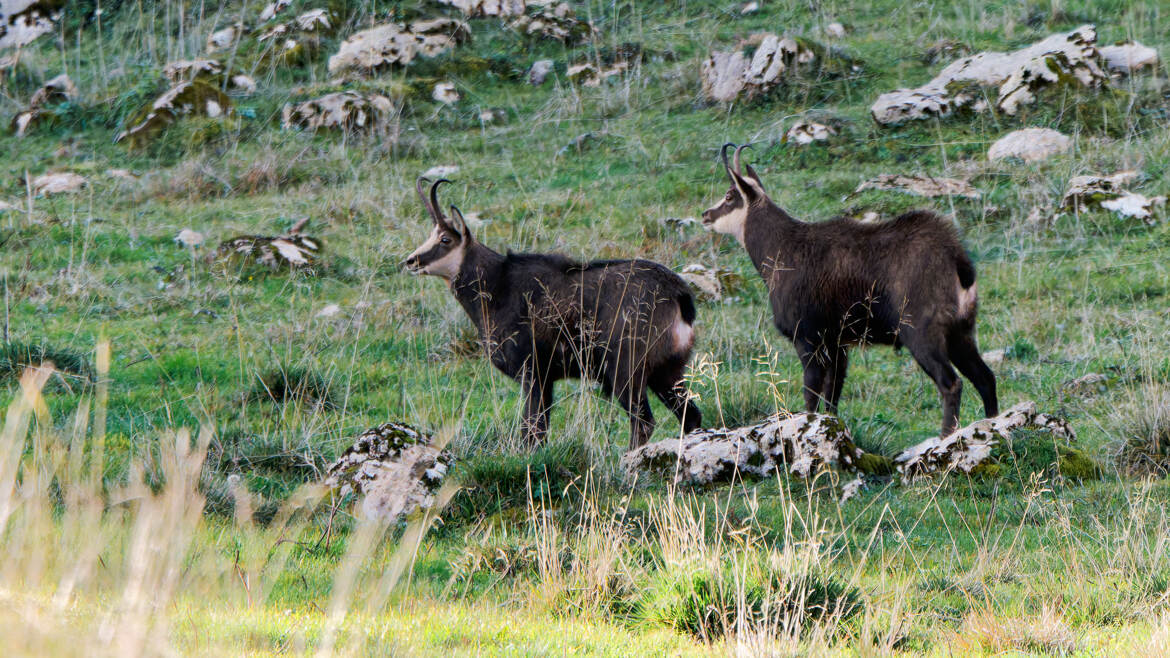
x=967, y=299
x=732, y=223
x=447, y=266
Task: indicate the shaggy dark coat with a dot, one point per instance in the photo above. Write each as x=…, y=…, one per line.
x=906, y=282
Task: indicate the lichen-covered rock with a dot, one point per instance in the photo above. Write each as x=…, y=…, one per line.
x=222, y=39
x=807, y=132
x=273, y=8
x=1029, y=145
x=293, y=250
x=729, y=75
x=1129, y=57
x=445, y=93
x=927, y=186
x=54, y=92
x=58, y=183
x=1070, y=57
x=395, y=468
x=800, y=444
x=24, y=21
x=711, y=284
x=589, y=75
x=970, y=447
x=395, y=44
x=1108, y=192
x=189, y=69
x=487, y=8
x=196, y=97
x=539, y=72
x=343, y=110
x=555, y=21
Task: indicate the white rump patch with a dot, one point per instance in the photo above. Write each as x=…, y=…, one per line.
x=682, y=335
x=967, y=299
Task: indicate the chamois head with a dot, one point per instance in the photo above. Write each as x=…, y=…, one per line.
x=443, y=251
x=729, y=215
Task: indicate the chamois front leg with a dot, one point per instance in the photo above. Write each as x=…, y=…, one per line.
x=538, y=393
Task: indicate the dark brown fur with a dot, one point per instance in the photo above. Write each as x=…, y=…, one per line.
x=839, y=283
x=544, y=317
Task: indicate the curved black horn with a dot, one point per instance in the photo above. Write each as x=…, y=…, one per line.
x=435, y=197
x=723, y=154
x=738, y=150
x=418, y=187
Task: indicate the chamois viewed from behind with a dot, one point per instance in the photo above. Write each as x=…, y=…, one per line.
x=626, y=324
x=834, y=284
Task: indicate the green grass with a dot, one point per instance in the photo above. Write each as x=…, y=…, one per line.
x=549, y=552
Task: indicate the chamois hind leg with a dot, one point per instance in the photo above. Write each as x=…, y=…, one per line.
x=813, y=361
x=964, y=353
x=931, y=355
x=835, y=378
x=667, y=384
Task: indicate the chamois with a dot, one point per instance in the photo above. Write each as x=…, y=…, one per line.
x=626, y=324
x=833, y=284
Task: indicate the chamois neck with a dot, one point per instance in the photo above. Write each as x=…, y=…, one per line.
x=766, y=231
x=474, y=285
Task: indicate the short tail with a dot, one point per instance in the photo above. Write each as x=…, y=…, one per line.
x=968, y=296
x=965, y=269
x=686, y=306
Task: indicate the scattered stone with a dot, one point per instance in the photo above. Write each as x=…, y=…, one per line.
x=1070, y=57
x=926, y=186
x=711, y=284
x=244, y=84
x=54, y=92
x=835, y=31
x=994, y=357
x=316, y=20
x=394, y=467
x=487, y=8
x=273, y=8
x=24, y=21
x=555, y=21
x=197, y=97
x=343, y=110
x=445, y=93
x=539, y=72
x=292, y=251
x=679, y=223
x=390, y=44
x=969, y=447
x=728, y=75
x=122, y=174
x=1108, y=192
x=1086, y=386
x=222, y=39
x=800, y=444
x=579, y=143
x=185, y=70
x=329, y=311
x=441, y=171
x=1129, y=57
x=190, y=238
x=807, y=132
x=492, y=116
x=749, y=8
x=1029, y=145
x=851, y=488
x=58, y=183
x=589, y=75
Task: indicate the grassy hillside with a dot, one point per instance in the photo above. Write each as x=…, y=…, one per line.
x=552, y=552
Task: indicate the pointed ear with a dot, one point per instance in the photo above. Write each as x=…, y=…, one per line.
x=459, y=224
x=753, y=180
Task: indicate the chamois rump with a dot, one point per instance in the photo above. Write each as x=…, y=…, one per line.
x=833, y=284
x=626, y=324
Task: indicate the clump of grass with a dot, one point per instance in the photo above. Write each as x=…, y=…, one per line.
x=1045, y=633
x=16, y=356
x=285, y=384
x=713, y=601
x=1144, y=445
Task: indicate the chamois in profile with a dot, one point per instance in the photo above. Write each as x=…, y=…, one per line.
x=833, y=284
x=626, y=324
